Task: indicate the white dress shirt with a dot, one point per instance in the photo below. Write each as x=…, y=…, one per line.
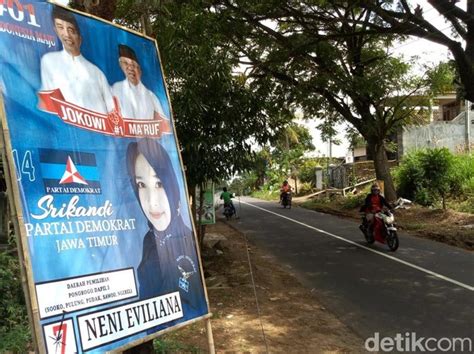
x=136, y=101
x=81, y=82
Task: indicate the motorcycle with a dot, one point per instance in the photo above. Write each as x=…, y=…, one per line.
x=286, y=200
x=229, y=211
x=384, y=230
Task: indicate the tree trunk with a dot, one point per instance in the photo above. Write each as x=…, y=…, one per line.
x=382, y=170
x=465, y=68
x=192, y=195
x=201, y=228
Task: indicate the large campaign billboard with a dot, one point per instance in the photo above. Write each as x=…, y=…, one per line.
x=105, y=222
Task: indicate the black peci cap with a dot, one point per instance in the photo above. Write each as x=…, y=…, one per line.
x=127, y=52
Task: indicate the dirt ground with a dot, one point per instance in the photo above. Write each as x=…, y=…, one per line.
x=454, y=228
x=293, y=320
x=448, y=226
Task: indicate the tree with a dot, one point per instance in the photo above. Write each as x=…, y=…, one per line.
x=323, y=54
x=398, y=17
x=103, y=9
x=292, y=141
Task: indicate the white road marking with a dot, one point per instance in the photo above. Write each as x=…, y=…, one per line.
x=414, y=266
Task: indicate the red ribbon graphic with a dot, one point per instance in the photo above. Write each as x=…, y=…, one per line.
x=109, y=124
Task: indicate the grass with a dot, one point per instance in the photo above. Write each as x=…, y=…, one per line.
x=266, y=195
x=348, y=203
x=332, y=206
x=414, y=226
x=170, y=344
x=16, y=339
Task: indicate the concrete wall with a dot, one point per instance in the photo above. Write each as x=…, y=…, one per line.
x=451, y=135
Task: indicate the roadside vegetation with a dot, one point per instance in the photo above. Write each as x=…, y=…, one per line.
x=437, y=178
x=440, y=184
x=15, y=334
x=434, y=178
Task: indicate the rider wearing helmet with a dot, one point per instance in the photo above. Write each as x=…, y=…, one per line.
x=284, y=189
x=374, y=203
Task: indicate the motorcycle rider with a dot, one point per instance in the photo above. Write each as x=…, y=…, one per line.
x=285, y=188
x=227, y=197
x=374, y=203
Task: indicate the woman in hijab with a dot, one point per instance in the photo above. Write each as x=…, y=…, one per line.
x=169, y=262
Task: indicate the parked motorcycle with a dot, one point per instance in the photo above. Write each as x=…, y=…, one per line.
x=286, y=200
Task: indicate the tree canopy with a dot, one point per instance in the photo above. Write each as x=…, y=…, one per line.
x=399, y=17
x=323, y=56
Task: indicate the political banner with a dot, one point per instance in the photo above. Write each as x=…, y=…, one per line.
x=206, y=212
x=109, y=244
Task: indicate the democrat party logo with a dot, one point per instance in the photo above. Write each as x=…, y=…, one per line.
x=187, y=268
x=69, y=172
x=60, y=337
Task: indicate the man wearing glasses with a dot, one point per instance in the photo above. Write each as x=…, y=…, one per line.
x=136, y=101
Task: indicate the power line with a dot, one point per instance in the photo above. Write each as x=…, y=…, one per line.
x=392, y=50
x=414, y=41
x=440, y=14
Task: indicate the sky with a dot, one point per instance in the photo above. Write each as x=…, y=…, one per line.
x=428, y=53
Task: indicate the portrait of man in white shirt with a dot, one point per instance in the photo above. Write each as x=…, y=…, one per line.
x=136, y=101
x=80, y=82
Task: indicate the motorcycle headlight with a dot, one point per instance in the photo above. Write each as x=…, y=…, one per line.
x=389, y=219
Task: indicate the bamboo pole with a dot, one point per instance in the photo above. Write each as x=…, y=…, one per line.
x=210, y=337
x=16, y=214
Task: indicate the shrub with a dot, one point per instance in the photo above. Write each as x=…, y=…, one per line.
x=464, y=173
x=305, y=188
x=439, y=173
x=307, y=172
x=427, y=176
x=353, y=201
x=409, y=176
x=424, y=197
x=14, y=329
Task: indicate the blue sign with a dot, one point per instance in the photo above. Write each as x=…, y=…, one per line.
x=106, y=219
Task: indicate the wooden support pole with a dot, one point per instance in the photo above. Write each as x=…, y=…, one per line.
x=16, y=214
x=210, y=337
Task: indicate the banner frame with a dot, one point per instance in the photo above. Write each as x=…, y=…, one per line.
x=20, y=230
x=16, y=214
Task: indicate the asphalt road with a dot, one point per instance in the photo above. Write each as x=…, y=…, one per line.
x=425, y=287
